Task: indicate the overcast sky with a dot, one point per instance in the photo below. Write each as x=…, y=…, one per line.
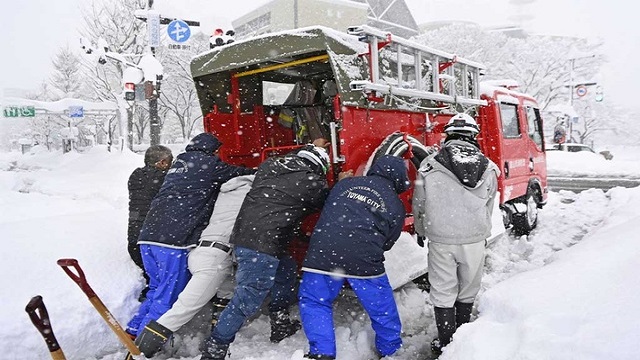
x=34, y=30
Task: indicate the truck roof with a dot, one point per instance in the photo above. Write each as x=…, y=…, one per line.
x=313, y=52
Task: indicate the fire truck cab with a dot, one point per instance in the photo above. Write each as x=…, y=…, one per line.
x=370, y=93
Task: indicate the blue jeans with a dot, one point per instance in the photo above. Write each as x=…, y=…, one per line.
x=257, y=274
x=168, y=276
x=317, y=293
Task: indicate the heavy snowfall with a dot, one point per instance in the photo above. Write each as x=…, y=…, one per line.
x=569, y=290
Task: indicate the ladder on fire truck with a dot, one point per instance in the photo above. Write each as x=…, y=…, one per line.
x=437, y=76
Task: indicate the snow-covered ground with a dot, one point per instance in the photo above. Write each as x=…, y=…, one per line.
x=542, y=297
x=625, y=163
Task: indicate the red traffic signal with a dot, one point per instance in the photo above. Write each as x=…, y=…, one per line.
x=129, y=91
x=220, y=37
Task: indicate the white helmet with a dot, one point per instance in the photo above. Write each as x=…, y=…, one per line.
x=316, y=155
x=462, y=123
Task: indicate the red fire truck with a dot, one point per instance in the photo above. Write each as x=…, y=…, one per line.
x=369, y=93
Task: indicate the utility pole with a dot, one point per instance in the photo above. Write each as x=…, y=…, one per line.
x=295, y=14
x=572, y=88
x=154, y=20
x=154, y=121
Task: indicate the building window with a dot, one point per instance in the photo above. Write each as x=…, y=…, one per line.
x=254, y=26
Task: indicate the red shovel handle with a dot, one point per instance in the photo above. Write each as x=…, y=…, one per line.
x=78, y=276
x=40, y=319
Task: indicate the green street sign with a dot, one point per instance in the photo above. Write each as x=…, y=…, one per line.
x=19, y=111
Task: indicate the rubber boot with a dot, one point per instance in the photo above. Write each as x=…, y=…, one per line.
x=446, y=324
x=463, y=313
x=282, y=326
x=218, y=305
x=213, y=350
x=318, y=357
x=152, y=338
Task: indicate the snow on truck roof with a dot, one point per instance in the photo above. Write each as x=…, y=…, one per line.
x=499, y=89
x=257, y=49
x=315, y=52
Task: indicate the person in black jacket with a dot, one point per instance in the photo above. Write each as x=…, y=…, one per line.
x=144, y=183
x=363, y=217
x=177, y=217
x=284, y=190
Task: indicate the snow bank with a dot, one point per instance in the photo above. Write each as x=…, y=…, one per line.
x=579, y=306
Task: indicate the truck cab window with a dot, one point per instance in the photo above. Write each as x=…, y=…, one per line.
x=534, y=123
x=510, y=122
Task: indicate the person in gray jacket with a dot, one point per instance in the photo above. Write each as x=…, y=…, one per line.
x=210, y=264
x=452, y=204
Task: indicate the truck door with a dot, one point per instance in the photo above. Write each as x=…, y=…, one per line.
x=537, y=157
x=515, y=151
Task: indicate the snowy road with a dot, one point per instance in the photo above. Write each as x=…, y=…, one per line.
x=74, y=205
x=557, y=183
x=567, y=218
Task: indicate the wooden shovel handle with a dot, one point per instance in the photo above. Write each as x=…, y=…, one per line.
x=78, y=278
x=40, y=319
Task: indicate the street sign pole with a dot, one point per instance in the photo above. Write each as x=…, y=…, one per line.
x=154, y=121
x=154, y=41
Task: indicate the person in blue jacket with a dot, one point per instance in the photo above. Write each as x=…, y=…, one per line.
x=362, y=218
x=177, y=217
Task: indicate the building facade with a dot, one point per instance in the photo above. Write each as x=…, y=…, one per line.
x=277, y=15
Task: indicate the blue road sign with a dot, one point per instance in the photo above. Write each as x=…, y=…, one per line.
x=179, y=31
x=76, y=111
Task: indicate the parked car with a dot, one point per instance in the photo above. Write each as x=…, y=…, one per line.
x=576, y=147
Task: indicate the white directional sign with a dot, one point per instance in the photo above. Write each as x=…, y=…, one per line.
x=153, y=28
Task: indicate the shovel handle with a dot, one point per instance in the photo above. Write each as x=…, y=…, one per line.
x=78, y=276
x=40, y=319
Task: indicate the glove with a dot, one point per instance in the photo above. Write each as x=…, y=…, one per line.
x=421, y=239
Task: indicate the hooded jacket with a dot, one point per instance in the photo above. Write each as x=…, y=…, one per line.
x=454, y=195
x=182, y=208
x=362, y=218
x=284, y=190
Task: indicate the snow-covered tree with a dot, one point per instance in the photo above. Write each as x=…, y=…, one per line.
x=66, y=80
x=543, y=66
x=178, y=93
x=114, y=23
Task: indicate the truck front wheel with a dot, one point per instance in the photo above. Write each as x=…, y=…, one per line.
x=525, y=222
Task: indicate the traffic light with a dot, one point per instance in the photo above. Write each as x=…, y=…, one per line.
x=220, y=38
x=599, y=94
x=129, y=91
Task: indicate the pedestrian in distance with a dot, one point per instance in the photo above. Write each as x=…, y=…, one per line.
x=177, y=217
x=285, y=189
x=452, y=204
x=144, y=183
x=211, y=267
x=363, y=217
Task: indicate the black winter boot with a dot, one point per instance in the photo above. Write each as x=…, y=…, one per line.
x=318, y=357
x=282, y=326
x=446, y=324
x=463, y=313
x=213, y=350
x=152, y=338
x=218, y=305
